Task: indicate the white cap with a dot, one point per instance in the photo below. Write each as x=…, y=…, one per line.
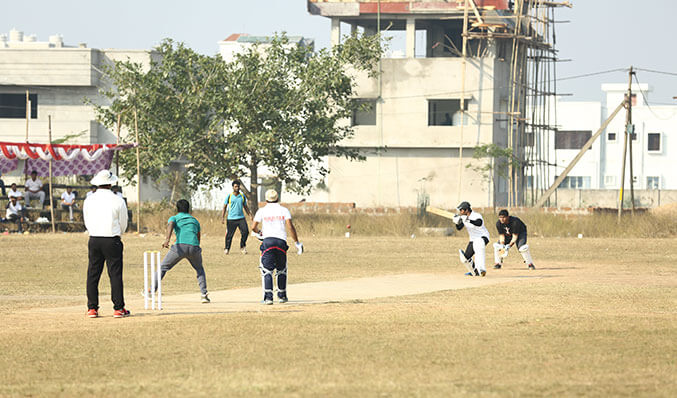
x=104, y=177
x=271, y=195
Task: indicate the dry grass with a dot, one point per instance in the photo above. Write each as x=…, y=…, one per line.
x=646, y=225
x=600, y=322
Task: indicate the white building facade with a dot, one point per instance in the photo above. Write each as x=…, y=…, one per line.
x=59, y=80
x=599, y=170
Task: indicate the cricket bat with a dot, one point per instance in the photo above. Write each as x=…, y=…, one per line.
x=440, y=212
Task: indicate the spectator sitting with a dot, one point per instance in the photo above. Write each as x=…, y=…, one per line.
x=16, y=212
x=68, y=201
x=13, y=192
x=2, y=185
x=34, y=189
x=92, y=190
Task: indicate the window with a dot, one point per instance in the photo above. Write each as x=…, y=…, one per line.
x=574, y=139
x=446, y=112
x=530, y=181
x=610, y=181
x=575, y=182
x=528, y=139
x=654, y=142
x=653, y=182
x=365, y=114
x=13, y=106
x=611, y=137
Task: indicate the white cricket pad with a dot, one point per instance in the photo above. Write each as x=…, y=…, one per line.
x=526, y=255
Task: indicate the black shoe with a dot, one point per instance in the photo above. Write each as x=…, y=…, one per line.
x=531, y=266
x=497, y=266
x=282, y=298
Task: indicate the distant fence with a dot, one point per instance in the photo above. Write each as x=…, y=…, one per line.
x=608, y=198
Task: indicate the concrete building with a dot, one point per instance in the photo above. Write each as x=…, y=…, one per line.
x=58, y=79
x=417, y=140
x=598, y=174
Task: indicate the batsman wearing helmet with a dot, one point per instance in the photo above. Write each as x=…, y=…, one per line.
x=479, y=238
x=511, y=232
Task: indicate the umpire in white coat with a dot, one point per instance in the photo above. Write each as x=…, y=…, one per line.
x=105, y=216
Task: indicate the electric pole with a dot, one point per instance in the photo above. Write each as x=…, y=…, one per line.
x=629, y=130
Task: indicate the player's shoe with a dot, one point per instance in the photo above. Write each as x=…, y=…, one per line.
x=282, y=298
x=121, y=313
x=226, y=251
x=268, y=301
x=93, y=313
x=204, y=299
x=531, y=266
x=483, y=273
x=469, y=274
x=497, y=266
x=243, y=250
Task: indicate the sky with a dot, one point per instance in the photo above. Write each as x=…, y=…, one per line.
x=601, y=35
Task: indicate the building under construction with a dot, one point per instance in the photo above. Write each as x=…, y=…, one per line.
x=474, y=78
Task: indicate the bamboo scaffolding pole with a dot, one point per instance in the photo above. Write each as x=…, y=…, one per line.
x=28, y=112
x=138, y=174
x=51, y=195
x=463, y=71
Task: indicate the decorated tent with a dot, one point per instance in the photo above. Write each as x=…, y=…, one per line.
x=66, y=159
x=50, y=160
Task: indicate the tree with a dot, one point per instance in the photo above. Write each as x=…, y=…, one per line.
x=277, y=105
x=174, y=100
x=286, y=108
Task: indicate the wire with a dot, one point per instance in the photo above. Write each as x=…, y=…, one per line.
x=646, y=101
x=657, y=71
x=591, y=74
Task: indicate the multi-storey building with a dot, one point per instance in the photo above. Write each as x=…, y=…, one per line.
x=58, y=80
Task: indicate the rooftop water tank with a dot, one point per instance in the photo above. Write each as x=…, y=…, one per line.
x=16, y=35
x=56, y=41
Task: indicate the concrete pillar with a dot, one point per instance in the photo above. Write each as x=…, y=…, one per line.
x=335, y=31
x=411, y=38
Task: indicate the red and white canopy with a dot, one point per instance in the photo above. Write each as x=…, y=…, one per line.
x=67, y=159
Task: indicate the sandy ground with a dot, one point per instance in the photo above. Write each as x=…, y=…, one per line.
x=249, y=299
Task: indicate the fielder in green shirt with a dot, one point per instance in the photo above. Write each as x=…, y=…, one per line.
x=187, y=245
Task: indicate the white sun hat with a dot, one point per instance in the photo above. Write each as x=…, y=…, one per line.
x=271, y=195
x=104, y=177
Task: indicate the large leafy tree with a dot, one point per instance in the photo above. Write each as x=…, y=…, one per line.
x=174, y=105
x=277, y=105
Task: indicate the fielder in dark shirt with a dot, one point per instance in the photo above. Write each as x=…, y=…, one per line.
x=511, y=232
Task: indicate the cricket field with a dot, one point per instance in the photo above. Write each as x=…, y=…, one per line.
x=368, y=316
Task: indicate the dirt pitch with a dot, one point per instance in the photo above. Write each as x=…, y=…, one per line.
x=367, y=317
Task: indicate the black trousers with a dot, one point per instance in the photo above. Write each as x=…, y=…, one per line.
x=231, y=227
x=108, y=249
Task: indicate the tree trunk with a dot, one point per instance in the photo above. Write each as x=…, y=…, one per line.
x=253, y=186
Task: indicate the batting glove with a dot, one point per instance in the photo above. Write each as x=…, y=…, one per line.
x=456, y=219
x=257, y=235
x=299, y=248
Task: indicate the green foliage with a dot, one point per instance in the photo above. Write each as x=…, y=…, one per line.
x=501, y=159
x=279, y=105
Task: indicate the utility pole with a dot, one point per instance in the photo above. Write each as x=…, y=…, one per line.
x=631, y=131
x=628, y=132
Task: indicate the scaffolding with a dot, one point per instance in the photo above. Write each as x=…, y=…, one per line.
x=531, y=113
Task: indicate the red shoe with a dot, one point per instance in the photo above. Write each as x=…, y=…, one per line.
x=120, y=313
x=93, y=313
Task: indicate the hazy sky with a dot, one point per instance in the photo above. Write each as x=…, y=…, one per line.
x=601, y=35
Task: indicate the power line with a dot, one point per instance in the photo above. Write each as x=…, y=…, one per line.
x=657, y=71
x=647, y=102
x=591, y=74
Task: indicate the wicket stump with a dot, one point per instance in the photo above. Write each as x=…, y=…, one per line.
x=155, y=279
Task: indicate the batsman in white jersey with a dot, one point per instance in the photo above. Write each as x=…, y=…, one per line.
x=270, y=225
x=479, y=238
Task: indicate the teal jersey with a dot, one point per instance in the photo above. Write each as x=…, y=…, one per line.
x=186, y=228
x=235, y=205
